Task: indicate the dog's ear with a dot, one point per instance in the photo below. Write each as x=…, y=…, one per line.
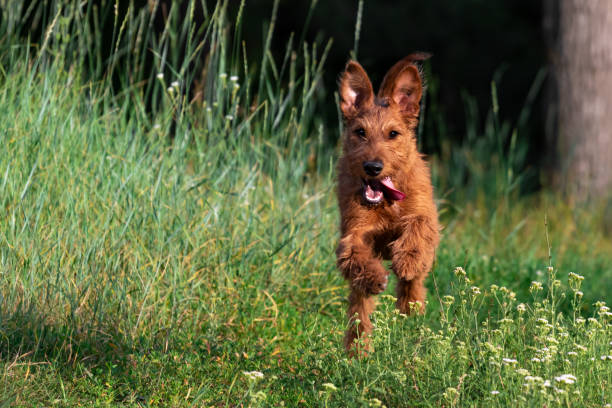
x=356, y=90
x=403, y=84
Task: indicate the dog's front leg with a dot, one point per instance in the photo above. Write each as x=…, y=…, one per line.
x=367, y=277
x=412, y=258
x=359, y=265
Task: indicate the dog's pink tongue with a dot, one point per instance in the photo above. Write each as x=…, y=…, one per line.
x=391, y=191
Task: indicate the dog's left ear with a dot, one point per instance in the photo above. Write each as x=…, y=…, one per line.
x=403, y=84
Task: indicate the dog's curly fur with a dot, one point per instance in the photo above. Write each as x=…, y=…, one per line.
x=402, y=228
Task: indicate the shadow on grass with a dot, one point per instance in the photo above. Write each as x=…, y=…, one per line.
x=85, y=357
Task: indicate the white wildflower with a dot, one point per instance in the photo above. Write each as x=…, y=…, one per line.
x=253, y=375
x=508, y=292
x=594, y=322
x=459, y=271
x=451, y=393
x=234, y=78
x=566, y=379
x=330, y=387
x=509, y=361
x=448, y=300
x=494, y=392
x=575, y=276
x=160, y=76
x=523, y=372
x=535, y=285
x=375, y=402
x=580, y=347
x=521, y=307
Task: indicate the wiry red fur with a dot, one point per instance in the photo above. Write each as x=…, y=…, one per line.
x=407, y=231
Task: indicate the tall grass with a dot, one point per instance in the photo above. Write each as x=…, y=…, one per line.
x=168, y=249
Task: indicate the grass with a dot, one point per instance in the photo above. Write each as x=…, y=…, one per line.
x=182, y=254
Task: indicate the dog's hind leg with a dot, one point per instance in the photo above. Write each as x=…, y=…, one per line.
x=361, y=305
x=411, y=295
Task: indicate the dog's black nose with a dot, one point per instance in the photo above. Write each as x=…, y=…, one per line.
x=373, y=168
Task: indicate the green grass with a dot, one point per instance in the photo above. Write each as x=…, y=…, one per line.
x=166, y=257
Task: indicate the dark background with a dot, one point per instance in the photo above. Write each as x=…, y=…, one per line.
x=473, y=42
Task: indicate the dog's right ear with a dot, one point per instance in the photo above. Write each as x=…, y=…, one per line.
x=356, y=90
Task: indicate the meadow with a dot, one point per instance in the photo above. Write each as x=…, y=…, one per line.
x=159, y=250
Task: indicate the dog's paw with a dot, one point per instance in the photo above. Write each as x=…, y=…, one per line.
x=378, y=285
x=372, y=283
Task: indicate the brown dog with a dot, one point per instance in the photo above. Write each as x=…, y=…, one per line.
x=384, y=192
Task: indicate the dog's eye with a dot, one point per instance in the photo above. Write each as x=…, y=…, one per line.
x=360, y=132
x=393, y=134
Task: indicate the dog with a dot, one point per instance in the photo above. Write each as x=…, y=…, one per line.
x=384, y=191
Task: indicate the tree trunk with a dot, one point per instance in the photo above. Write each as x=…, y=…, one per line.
x=584, y=77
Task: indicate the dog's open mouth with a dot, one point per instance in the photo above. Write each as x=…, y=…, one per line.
x=375, y=190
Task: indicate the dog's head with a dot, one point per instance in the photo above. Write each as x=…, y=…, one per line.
x=379, y=131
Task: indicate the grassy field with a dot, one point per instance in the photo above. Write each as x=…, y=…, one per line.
x=158, y=252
